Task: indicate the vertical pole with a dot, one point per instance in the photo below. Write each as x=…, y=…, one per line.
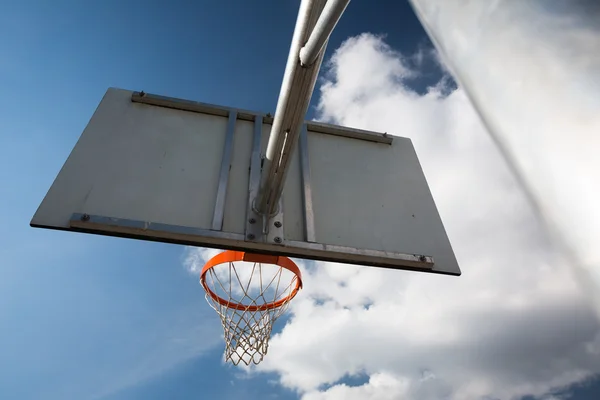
x=219, y=211
x=309, y=212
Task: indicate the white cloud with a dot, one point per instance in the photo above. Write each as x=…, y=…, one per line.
x=514, y=323
x=381, y=386
x=538, y=89
x=195, y=257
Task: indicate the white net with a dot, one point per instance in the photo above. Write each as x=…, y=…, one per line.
x=248, y=297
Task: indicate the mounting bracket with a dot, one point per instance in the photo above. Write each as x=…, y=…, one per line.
x=260, y=227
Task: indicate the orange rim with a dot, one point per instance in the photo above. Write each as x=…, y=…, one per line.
x=232, y=256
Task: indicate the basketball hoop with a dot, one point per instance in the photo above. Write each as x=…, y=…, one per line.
x=249, y=297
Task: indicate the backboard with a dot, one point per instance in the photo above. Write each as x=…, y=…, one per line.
x=163, y=169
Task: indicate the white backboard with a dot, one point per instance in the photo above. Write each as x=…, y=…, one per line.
x=157, y=168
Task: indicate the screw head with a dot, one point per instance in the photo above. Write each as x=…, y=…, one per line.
x=251, y=236
x=277, y=224
x=142, y=94
x=422, y=258
x=85, y=217
x=252, y=220
x=277, y=239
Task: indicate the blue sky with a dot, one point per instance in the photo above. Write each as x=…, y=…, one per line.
x=91, y=317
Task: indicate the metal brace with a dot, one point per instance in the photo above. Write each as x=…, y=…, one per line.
x=261, y=228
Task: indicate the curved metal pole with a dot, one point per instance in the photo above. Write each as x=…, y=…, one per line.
x=294, y=97
x=318, y=38
x=316, y=20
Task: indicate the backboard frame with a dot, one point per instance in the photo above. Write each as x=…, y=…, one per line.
x=267, y=242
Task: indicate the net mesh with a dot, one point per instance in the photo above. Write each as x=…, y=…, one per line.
x=250, y=290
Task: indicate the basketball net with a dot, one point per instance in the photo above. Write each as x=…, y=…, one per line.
x=249, y=292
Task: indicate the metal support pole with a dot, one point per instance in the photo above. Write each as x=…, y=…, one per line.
x=327, y=21
x=294, y=97
x=296, y=91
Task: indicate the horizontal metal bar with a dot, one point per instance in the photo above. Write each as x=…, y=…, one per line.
x=245, y=115
x=336, y=130
x=234, y=241
x=362, y=256
x=195, y=106
x=160, y=231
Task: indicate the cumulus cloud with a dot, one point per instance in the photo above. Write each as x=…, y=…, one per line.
x=381, y=386
x=195, y=257
x=514, y=324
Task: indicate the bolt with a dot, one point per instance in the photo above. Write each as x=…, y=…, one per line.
x=277, y=239
x=142, y=94
x=85, y=217
x=252, y=221
x=422, y=258
x=277, y=224
x=251, y=236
